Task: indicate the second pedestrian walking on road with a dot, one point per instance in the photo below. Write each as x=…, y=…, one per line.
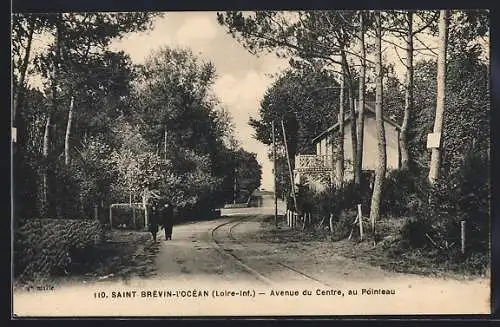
x=154, y=221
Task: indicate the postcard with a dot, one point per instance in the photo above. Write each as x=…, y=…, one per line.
x=251, y=163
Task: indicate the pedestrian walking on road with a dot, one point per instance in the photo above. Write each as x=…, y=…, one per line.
x=154, y=221
x=168, y=220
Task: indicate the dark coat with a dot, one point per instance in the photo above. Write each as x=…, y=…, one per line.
x=154, y=220
x=167, y=216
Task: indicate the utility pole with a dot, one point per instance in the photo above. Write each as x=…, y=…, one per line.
x=289, y=165
x=274, y=177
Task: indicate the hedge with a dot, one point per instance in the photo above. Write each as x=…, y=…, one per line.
x=44, y=247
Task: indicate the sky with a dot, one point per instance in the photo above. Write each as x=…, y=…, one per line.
x=242, y=78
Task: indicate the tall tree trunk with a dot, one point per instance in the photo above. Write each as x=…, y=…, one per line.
x=361, y=95
x=17, y=122
x=382, y=156
x=165, y=143
x=339, y=158
x=68, y=132
x=46, y=206
x=352, y=111
x=45, y=153
x=405, y=157
x=354, y=141
x=19, y=95
x=67, y=157
x=440, y=100
x=145, y=200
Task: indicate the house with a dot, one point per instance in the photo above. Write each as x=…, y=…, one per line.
x=318, y=170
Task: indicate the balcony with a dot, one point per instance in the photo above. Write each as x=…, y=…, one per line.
x=314, y=163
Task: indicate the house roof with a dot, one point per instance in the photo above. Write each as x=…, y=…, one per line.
x=368, y=108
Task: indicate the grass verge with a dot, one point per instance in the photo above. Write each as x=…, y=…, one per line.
x=389, y=252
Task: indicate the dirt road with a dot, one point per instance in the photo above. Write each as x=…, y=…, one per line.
x=226, y=251
x=203, y=251
x=221, y=267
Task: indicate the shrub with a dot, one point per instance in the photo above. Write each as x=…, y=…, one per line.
x=44, y=247
x=340, y=203
x=327, y=202
x=399, y=188
x=475, y=198
x=349, y=196
x=342, y=225
x=414, y=231
x=433, y=224
x=462, y=195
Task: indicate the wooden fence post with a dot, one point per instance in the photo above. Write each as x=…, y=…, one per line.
x=111, y=217
x=330, y=222
x=462, y=225
x=373, y=231
x=360, y=215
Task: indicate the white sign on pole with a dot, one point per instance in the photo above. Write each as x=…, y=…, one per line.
x=14, y=134
x=433, y=140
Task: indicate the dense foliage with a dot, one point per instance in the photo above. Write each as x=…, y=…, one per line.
x=119, y=132
x=101, y=130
